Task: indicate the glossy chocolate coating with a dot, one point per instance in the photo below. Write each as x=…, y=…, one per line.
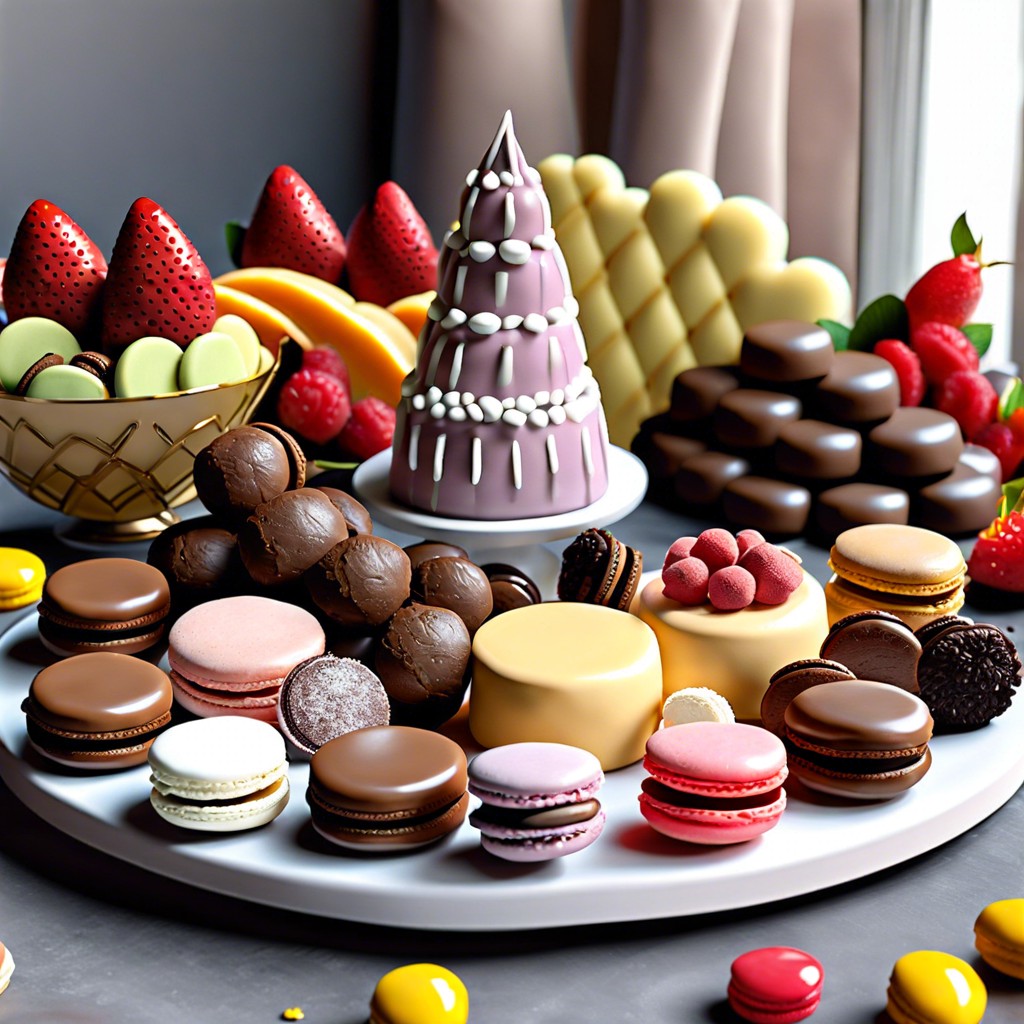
x=325, y=697
x=793, y=679
x=510, y=588
x=963, y=502
x=240, y=470
x=702, y=478
x=786, y=350
x=915, y=442
x=818, y=451
x=419, y=553
x=848, y=505
x=422, y=661
x=361, y=581
x=355, y=514
x=748, y=418
x=105, y=590
x=456, y=584
x=296, y=456
x=860, y=388
x=981, y=460
x=875, y=645
x=289, y=533
x=696, y=392
x=199, y=559
x=666, y=453
x=771, y=506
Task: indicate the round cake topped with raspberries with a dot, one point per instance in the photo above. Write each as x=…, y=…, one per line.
x=501, y=418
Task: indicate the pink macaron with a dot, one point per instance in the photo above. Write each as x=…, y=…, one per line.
x=714, y=782
x=537, y=800
x=230, y=657
x=775, y=985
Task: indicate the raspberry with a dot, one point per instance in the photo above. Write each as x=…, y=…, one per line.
x=327, y=360
x=943, y=350
x=1006, y=444
x=970, y=399
x=314, y=405
x=370, y=429
x=731, y=588
x=686, y=581
x=680, y=549
x=747, y=539
x=908, y=369
x=775, y=573
x=998, y=557
x=716, y=548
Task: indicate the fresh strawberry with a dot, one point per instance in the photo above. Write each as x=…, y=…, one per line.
x=327, y=359
x=948, y=293
x=54, y=270
x=908, y=369
x=1006, y=443
x=370, y=428
x=291, y=228
x=942, y=350
x=970, y=399
x=997, y=560
x=157, y=284
x=391, y=253
x=315, y=405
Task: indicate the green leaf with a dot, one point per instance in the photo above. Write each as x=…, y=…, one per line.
x=1011, y=399
x=324, y=464
x=979, y=335
x=840, y=333
x=886, y=317
x=1012, y=491
x=962, y=237
x=234, y=234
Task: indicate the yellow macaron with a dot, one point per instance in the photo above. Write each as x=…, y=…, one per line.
x=420, y=994
x=22, y=575
x=928, y=987
x=999, y=936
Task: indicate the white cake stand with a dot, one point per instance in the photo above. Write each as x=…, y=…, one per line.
x=516, y=541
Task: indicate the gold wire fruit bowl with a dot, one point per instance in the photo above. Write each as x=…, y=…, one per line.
x=120, y=464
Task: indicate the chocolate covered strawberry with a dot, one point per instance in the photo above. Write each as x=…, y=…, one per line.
x=291, y=228
x=54, y=270
x=157, y=283
x=390, y=251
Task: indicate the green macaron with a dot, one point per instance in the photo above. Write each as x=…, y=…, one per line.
x=247, y=340
x=24, y=342
x=212, y=358
x=148, y=366
x=66, y=381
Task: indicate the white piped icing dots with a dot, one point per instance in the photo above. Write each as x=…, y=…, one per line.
x=502, y=417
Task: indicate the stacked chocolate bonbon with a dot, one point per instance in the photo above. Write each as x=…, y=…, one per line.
x=800, y=438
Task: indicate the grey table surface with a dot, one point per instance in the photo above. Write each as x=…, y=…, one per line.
x=97, y=939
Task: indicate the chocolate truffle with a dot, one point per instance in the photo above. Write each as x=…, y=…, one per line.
x=915, y=442
x=422, y=662
x=361, y=582
x=747, y=418
x=456, y=584
x=287, y=534
x=296, y=456
x=860, y=388
x=817, y=451
x=325, y=697
x=355, y=514
x=199, y=559
x=701, y=479
x=770, y=506
x=419, y=553
x=965, y=501
x=696, y=392
x=786, y=350
x=841, y=508
x=875, y=645
x=510, y=587
x=240, y=470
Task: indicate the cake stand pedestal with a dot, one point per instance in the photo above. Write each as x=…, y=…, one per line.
x=516, y=541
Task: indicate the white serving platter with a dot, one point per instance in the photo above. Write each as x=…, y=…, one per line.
x=631, y=873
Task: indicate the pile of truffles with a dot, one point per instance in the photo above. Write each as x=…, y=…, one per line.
x=409, y=614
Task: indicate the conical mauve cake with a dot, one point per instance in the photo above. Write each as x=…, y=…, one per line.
x=502, y=417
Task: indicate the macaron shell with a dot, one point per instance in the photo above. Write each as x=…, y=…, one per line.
x=209, y=703
x=534, y=775
x=775, y=985
x=6, y=967
x=843, y=599
x=707, y=826
x=22, y=575
x=112, y=759
x=27, y=340
x=420, y=994
x=999, y=936
x=696, y=704
x=147, y=367
x=898, y=559
x=930, y=987
x=242, y=334
x=56, y=383
x=106, y=591
x=535, y=845
x=250, y=811
x=212, y=358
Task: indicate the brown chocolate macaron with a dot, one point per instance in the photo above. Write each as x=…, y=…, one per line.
x=599, y=569
x=456, y=584
x=105, y=604
x=355, y=514
x=361, y=581
x=97, y=363
x=325, y=697
x=296, y=456
x=43, y=363
x=425, y=549
x=790, y=681
x=875, y=645
x=510, y=587
x=968, y=674
x=199, y=559
x=387, y=788
x=289, y=533
x=858, y=739
x=422, y=661
x=99, y=710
